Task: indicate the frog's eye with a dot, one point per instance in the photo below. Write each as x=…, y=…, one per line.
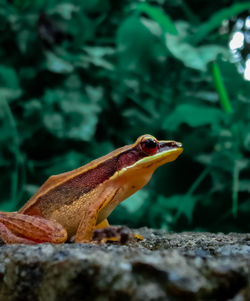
x=149, y=145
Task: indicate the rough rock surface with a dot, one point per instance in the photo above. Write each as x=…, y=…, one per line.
x=164, y=266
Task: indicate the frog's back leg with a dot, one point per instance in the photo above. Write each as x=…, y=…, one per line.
x=27, y=229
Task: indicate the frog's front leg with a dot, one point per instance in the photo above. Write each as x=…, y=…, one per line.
x=91, y=212
x=21, y=228
x=103, y=224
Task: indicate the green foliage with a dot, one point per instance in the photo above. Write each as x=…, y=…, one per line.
x=194, y=116
x=192, y=57
x=80, y=78
x=217, y=18
x=158, y=16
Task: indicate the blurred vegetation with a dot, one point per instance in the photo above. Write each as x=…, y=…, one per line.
x=81, y=78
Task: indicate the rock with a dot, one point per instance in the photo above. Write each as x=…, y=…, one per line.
x=164, y=266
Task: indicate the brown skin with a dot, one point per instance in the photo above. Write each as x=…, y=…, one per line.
x=77, y=202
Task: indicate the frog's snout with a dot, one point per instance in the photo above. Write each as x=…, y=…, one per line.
x=179, y=144
x=168, y=145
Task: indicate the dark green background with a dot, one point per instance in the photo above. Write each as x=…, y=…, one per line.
x=81, y=78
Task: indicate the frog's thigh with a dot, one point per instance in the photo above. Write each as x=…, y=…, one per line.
x=9, y=237
x=102, y=224
x=21, y=228
x=89, y=218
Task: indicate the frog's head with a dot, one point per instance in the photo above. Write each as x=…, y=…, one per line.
x=148, y=153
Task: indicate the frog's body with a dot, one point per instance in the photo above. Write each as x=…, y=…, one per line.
x=76, y=202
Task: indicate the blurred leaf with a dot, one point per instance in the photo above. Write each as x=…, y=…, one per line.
x=9, y=83
x=246, y=137
x=94, y=6
x=71, y=115
x=194, y=116
x=96, y=56
x=244, y=207
x=25, y=41
x=186, y=206
x=81, y=28
x=223, y=160
x=9, y=77
x=192, y=57
x=134, y=203
x=57, y=64
x=181, y=204
x=30, y=189
x=78, y=123
x=152, y=26
x=138, y=48
x=244, y=185
x=66, y=10
x=159, y=16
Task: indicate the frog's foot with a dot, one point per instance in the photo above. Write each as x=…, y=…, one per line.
x=138, y=236
x=111, y=234
x=120, y=235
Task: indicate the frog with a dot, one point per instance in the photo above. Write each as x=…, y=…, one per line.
x=73, y=204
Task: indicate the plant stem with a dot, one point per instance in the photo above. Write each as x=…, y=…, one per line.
x=220, y=88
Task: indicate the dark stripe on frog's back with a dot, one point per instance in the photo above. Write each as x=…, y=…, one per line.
x=84, y=179
x=32, y=205
x=73, y=188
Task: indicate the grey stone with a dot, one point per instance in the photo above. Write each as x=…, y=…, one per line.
x=164, y=266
